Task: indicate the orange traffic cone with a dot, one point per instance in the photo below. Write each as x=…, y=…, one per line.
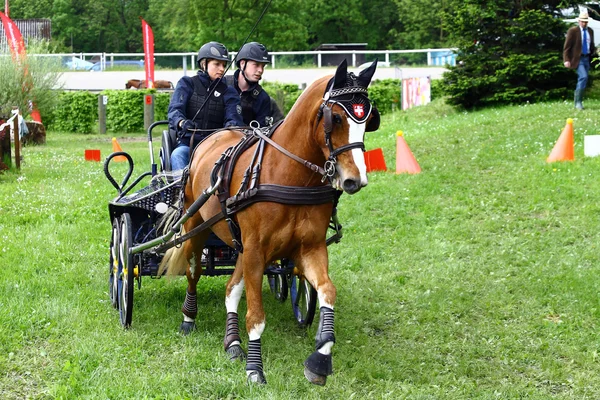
x=405, y=160
x=375, y=161
x=564, y=148
x=117, y=147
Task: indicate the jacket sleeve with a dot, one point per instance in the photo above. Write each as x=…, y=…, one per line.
x=593, y=45
x=262, y=108
x=233, y=108
x=568, y=47
x=178, y=104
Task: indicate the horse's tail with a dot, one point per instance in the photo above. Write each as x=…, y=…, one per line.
x=174, y=262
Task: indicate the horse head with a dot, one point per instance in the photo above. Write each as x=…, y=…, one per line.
x=347, y=113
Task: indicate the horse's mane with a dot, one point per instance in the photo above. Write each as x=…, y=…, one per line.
x=318, y=85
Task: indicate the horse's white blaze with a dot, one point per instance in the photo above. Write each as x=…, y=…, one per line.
x=326, y=348
x=256, y=331
x=357, y=134
x=233, y=300
x=322, y=302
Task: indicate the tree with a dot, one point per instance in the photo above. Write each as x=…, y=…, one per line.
x=509, y=52
x=423, y=23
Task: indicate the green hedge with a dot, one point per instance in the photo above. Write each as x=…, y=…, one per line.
x=78, y=111
x=284, y=94
x=75, y=112
x=125, y=109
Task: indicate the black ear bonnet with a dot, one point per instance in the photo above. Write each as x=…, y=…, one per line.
x=350, y=92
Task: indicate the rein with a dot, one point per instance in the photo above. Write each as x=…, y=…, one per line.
x=256, y=131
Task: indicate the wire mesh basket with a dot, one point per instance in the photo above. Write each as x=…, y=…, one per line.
x=162, y=192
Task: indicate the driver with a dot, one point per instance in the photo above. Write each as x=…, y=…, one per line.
x=256, y=103
x=222, y=109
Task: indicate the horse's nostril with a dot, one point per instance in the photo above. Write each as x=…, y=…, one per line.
x=350, y=186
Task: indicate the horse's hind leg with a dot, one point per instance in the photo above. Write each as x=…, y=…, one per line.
x=193, y=253
x=234, y=290
x=319, y=364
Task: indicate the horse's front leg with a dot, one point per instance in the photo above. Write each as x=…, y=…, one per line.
x=319, y=364
x=193, y=272
x=234, y=290
x=253, y=268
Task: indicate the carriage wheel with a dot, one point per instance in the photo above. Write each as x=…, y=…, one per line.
x=279, y=286
x=114, y=267
x=304, y=300
x=127, y=276
x=164, y=154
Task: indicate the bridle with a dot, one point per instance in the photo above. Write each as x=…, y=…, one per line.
x=325, y=112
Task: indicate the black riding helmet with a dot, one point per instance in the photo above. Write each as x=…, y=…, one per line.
x=213, y=50
x=253, y=51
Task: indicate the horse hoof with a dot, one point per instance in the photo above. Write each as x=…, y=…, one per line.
x=187, y=327
x=313, y=378
x=256, y=377
x=236, y=352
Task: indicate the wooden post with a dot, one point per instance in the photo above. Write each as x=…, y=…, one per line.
x=5, y=150
x=148, y=110
x=102, y=100
x=17, y=141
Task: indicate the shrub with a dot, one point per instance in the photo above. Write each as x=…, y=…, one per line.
x=76, y=112
x=31, y=80
x=161, y=105
x=509, y=52
x=284, y=94
x=385, y=92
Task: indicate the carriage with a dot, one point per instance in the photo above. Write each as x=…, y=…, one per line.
x=136, y=247
x=262, y=198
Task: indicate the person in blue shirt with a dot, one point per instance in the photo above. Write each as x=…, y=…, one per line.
x=256, y=103
x=188, y=117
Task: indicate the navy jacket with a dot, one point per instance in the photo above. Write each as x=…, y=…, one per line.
x=256, y=98
x=183, y=92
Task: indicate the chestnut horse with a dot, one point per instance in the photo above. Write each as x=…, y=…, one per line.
x=326, y=128
x=141, y=84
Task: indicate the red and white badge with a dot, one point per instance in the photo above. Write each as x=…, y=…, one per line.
x=359, y=110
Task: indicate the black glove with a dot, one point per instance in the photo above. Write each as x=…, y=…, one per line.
x=187, y=125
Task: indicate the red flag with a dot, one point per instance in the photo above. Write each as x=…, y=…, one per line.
x=17, y=48
x=148, y=53
x=14, y=38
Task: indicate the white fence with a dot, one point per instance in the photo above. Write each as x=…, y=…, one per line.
x=438, y=57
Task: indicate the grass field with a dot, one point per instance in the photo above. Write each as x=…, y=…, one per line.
x=476, y=279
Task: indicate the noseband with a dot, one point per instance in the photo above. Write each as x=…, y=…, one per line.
x=325, y=112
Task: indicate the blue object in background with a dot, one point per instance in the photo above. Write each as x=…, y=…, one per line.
x=442, y=58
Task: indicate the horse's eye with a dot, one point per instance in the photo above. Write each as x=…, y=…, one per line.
x=337, y=118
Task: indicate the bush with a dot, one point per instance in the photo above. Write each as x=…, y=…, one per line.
x=508, y=53
x=30, y=81
x=124, y=110
x=161, y=105
x=76, y=112
x=384, y=93
x=284, y=94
